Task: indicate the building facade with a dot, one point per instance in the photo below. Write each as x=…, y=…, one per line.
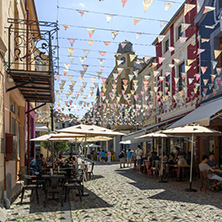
x=23, y=84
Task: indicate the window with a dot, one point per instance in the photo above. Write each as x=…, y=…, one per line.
x=12, y=106
x=219, y=4
x=179, y=32
x=181, y=80
x=166, y=46
x=17, y=111
x=167, y=84
x=12, y=126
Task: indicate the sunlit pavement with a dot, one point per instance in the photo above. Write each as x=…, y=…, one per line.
x=124, y=195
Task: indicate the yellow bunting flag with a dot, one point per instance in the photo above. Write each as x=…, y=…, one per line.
x=71, y=50
x=90, y=42
x=146, y=4
x=217, y=53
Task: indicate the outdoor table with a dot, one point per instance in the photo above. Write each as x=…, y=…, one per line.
x=180, y=169
x=53, y=178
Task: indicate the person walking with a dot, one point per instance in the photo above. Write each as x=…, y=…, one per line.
x=109, y=155
x=139, y=154
x=129, y=157
x=122, y=157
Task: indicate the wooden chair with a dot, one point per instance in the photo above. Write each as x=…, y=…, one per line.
x=90, y=173
x=73, y=185
x=54, y=188
x=205, y=182
x=29, y=186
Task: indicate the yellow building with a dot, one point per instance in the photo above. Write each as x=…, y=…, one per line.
x=22, y=84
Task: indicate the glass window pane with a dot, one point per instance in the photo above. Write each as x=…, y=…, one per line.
x=12, y=106
x=12, y=126
x=181, y=80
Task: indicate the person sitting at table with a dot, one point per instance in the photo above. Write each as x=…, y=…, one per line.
x=203, y=166
x=154, y=158
x=211, y=162
x=43, y=159
x=177, y=154
x=60, y=160
x=171, y=160
x=71, y=158
x=36, y=165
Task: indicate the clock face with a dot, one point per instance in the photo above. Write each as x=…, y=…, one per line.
x=123, y=60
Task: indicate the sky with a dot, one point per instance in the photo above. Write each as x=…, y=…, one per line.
x=65, y=12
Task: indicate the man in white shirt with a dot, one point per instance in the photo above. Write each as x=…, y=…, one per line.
x=139, y=154
x=203, y=166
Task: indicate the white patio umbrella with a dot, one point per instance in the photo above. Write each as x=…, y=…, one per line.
x=90, y=131
x=157, y=134
x=43, y=138
x=192, y=130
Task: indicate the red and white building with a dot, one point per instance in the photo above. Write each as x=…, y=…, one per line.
x=178, y=75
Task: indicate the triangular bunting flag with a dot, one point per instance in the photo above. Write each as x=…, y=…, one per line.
x=132, y=57
x=58, y=77
x=71, y=41
x=146, y=4
x=138, y=34
x=102, y=53
x=82, y=12
x=203, y=69
x=90, y=42
x=82, y=59
x=90, y=31
x=160, y=38
x=71, y=58
x=200, y=51
x=208, y=9
x=101, y=61
x=70, y=78
x=205, y=81
x=85, y=67
x=92, y=79
x=168, y=5
x=136, y=20
x=188, y=8
x=217, y=53
x=124, y=2
x=205, y=40
x=71, y=50
x=214, y=64
x=86, y=52
x=114, y=34
x=108, y=17
x=66, y=26
x=107, y=43
x=187, y=68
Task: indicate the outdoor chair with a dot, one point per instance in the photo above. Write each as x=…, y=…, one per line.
x=149, y=171
x=90, y=173
x=39, y=182
x=205, y=182
x=73, y=185
x=29, y=186
x=54, y=188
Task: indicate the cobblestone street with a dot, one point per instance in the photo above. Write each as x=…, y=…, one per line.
x=124, y=195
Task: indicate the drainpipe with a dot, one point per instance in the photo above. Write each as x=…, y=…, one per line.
x=27, y=68
x=7, y=202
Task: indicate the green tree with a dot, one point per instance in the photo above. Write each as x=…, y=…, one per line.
x=58, y=146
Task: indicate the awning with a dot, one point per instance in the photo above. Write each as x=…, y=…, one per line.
x=155, y=127
x=201, y=115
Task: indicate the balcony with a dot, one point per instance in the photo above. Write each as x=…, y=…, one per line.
x=33, y=58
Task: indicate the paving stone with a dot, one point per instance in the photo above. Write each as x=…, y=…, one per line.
x=124, y=196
